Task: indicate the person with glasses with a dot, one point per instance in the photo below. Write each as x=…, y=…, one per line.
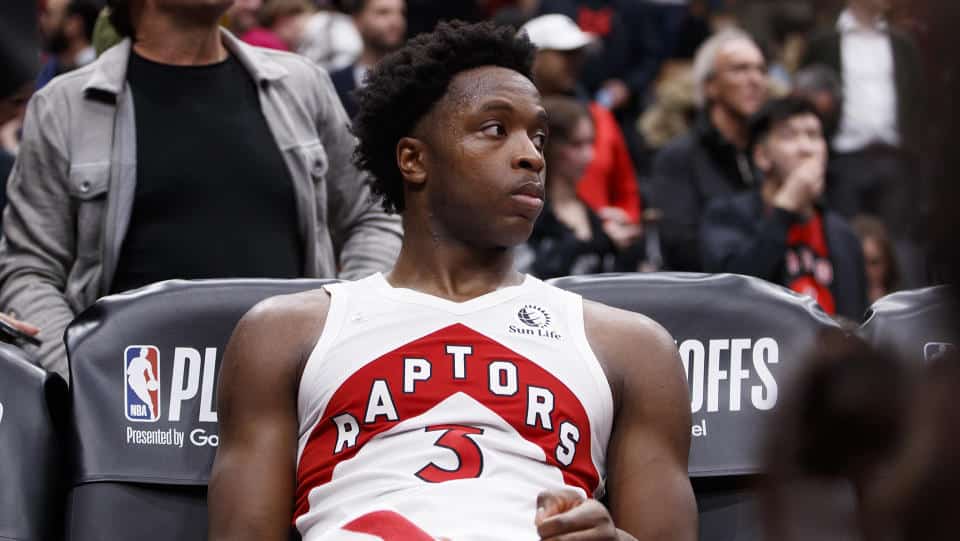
x=731, y=84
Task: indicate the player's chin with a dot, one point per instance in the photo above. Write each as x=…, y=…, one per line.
x=516, y=231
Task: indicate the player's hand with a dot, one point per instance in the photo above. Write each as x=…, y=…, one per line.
x=22, y=326
x=566, y=515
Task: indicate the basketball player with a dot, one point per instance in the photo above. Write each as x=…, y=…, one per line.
x=453, y=397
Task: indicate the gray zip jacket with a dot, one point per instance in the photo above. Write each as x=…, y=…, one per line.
x=72, y=188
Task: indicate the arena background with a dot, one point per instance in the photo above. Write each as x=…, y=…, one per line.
x=800, y=431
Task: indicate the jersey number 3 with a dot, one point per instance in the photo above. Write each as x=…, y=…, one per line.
x=456, y=438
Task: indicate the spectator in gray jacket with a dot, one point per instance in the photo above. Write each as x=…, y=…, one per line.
x=181, y=153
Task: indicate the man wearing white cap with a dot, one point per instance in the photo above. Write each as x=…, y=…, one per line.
x=609, y=185
x=619, y=72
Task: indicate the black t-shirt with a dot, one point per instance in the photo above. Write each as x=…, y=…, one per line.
x=214, y=198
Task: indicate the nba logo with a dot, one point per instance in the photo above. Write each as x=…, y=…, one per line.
x=141, y=375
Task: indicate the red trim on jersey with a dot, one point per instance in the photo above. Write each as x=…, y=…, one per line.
x=389, y=526
x=318, y=460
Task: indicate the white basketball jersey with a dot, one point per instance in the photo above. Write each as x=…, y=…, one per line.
x=424, y=418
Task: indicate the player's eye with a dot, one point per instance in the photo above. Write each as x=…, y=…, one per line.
x=495, y=130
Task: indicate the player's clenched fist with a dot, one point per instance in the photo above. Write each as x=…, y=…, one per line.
x=565, y=515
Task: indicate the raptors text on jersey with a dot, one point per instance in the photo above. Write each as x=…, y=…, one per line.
x=448, y=413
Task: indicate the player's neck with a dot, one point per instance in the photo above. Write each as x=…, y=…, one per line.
x=439, y=265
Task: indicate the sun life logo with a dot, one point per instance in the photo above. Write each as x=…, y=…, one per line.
x=534, y=322
x=533, y=316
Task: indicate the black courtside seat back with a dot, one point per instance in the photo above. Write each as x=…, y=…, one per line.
x=741, y=339
x=32, y=463
x=144, y=368
x=917, y=324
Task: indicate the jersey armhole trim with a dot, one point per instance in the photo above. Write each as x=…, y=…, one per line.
x=578, y=333
x=336, y=314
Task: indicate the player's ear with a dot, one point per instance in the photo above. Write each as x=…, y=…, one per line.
x=410, y=160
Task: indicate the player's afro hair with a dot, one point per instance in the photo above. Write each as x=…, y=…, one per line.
x=407, y=83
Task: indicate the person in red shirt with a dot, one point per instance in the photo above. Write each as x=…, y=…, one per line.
x=780, y=232
x=609, y=185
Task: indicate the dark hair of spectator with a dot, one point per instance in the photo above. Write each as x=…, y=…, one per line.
x=563, y=113
x=923, y=483
x=847, y=405
x=408, y=82
x=121, y=19
x=870, y=227
x=350, y=7
x=777, y=111
x=843, y=417
x=86, y=10
x=271, y=10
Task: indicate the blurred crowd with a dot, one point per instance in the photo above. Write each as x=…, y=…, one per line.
x=763, y=138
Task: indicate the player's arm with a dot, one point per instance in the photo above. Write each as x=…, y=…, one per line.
x=253, y=480
x=648, y=487
x=650, y=496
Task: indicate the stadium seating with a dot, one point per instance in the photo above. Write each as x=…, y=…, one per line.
x=740, y=339
x=31, y=461
x=916, y=324
x=143, y=451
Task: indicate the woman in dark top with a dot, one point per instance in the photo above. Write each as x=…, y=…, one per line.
x=568, y=237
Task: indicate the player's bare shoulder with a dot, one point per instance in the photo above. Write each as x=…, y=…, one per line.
x=629, y=344
x=293, y=314
x=283, y=329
